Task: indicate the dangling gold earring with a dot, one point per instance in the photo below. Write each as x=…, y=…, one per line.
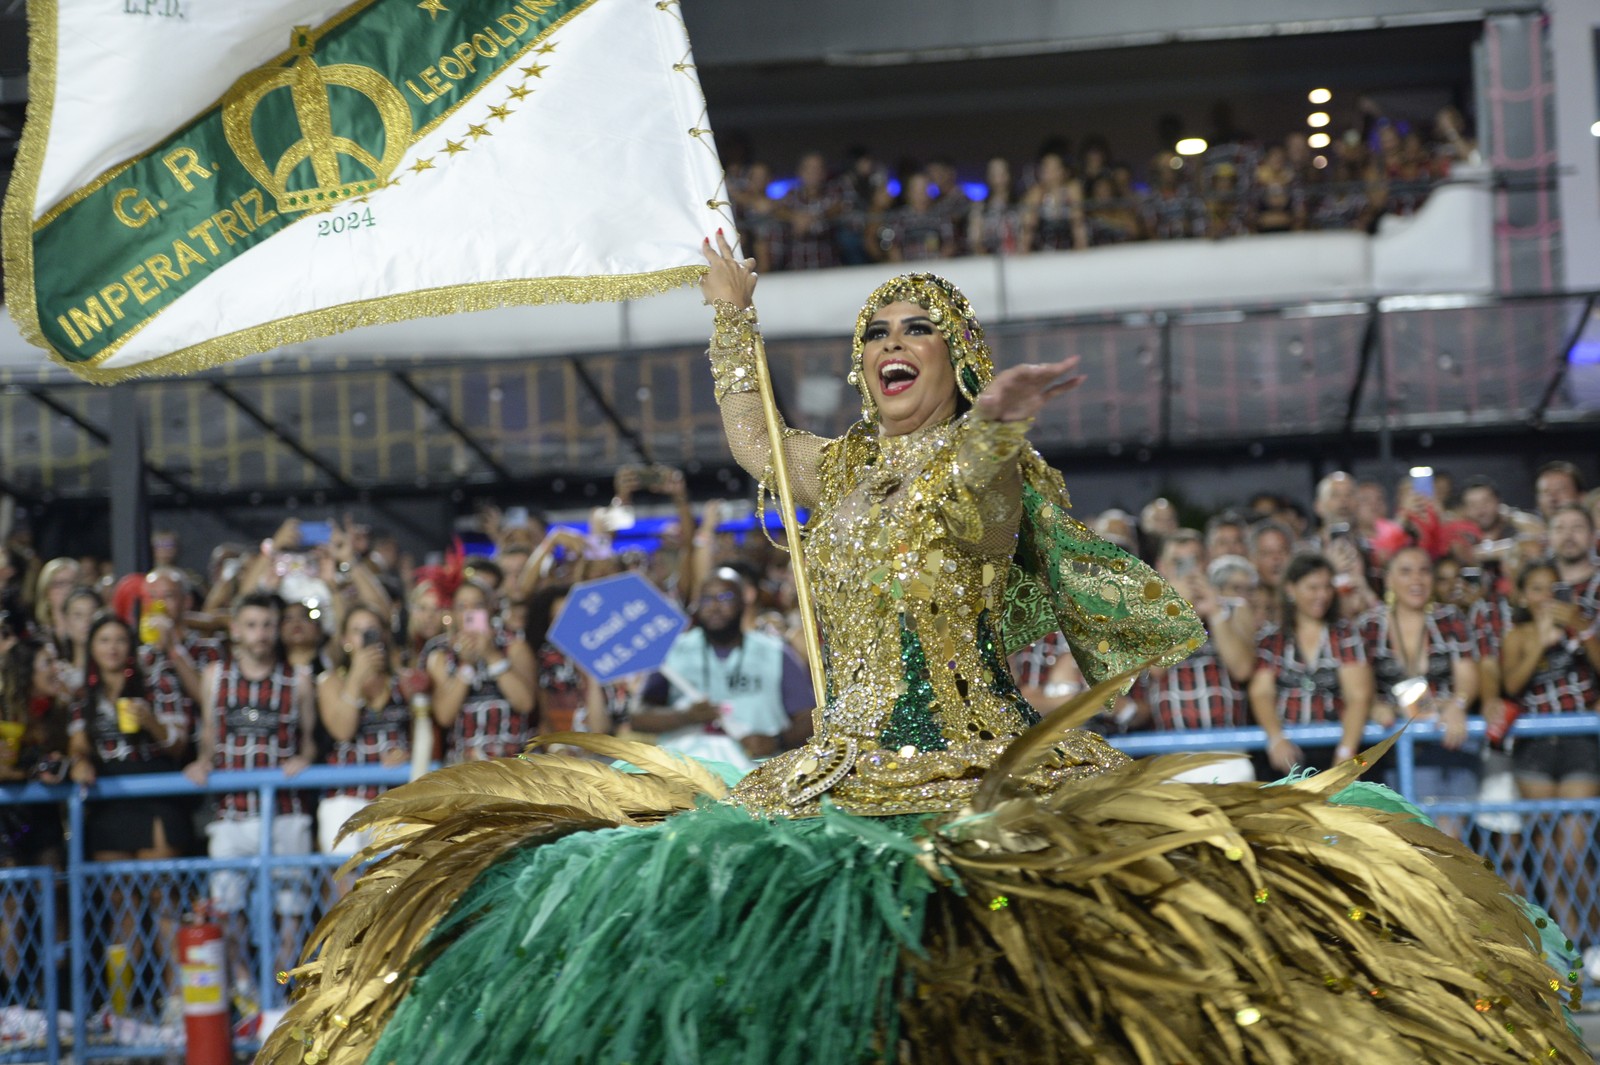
x=1388, y=598
x=967, y=381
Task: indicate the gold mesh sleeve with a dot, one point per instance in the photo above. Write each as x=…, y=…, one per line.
x=984, y=506
x=735, y=346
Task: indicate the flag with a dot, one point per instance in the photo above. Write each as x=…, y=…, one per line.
x=197, y=182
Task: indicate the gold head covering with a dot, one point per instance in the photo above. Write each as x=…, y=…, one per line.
x=950, y=312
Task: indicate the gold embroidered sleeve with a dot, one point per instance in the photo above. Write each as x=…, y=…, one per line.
x=735, y=344
x=984, y=506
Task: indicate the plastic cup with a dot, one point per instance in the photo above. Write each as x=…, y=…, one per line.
x=127, y=719
x=119, y=978
x=11, y=733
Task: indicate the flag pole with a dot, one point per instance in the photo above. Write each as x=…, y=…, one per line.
x=785, y=493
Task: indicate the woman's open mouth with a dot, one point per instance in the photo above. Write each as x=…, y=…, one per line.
x=896, y=376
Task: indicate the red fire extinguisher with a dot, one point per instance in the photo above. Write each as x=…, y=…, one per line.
x=202, y=959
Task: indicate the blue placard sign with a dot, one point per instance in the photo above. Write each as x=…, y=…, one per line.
x=617, y=626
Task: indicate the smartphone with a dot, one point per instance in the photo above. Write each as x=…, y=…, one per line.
x=1562, y=592
x=515, y=518
x=1338, y=529
x=315, y=533
x=658, y=477
x=475, y=620
x=1422, y=481
x=373, y=638
x=1472, y=574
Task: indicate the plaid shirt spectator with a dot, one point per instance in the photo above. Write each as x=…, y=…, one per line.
x=811, y=250
x=1488, y=621
x=379, y=730
x=257, y=727
x=1031, y=666
x=168, y=699
x=487, y=726
x=1587, y=596
x=1197, y=693
x=1447, y=639
x=1309, y=692
x=111, y=744
x=1563, y=683
x=921, y=235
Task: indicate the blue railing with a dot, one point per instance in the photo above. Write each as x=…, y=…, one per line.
x=1524, y=849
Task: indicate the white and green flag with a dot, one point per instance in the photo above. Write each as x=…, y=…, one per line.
x=205, y=179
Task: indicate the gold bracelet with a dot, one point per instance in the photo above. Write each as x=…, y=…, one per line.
x=733, y=349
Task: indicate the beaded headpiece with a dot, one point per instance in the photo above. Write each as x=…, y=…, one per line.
x=950, y=312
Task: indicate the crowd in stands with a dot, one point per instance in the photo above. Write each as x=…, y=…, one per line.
x=861, y=210
x=326, y=644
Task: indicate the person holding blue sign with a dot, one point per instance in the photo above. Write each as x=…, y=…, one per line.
x=1048, y=899
x=723, y=693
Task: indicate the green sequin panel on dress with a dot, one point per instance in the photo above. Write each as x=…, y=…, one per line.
x=911, y=722
x=1001, y=683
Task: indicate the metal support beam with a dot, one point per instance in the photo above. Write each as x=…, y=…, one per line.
x=1164, y=422
x=45, y=399
x=624, y=430
x=449, y=421
x=177, y=484
x=255, y=414
x=130, y=511
x=1369, y=340
x=1536, y=415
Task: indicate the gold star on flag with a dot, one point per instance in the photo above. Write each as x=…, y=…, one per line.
x=454, y=147
x=501, y=111
x=476, y=132
x=535, y=71
x=546, y=48
x=520, y=92
x=434, y=7
x=422, y=164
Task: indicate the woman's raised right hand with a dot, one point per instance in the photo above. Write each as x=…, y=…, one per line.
x=729, y=277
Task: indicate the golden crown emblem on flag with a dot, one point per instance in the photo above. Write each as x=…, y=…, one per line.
x=372, y=154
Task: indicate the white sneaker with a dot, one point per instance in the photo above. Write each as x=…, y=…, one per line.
x=1591, y=964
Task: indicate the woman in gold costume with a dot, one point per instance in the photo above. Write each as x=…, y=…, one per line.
x=938, y=875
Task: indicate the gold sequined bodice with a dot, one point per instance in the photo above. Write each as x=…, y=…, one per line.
x=908, y=556
x=886, y=573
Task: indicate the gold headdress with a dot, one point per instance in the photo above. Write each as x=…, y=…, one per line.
x=949, y=311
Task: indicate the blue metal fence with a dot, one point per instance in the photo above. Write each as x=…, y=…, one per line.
x=130, y=910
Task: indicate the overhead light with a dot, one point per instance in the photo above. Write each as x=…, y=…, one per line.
x=1319, y=96
x=1191, y=146
x=1595, y=129
x=1320, y=161
x=1319, y=140
x=1317, y=119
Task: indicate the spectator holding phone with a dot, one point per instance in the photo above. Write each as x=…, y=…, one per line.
x=483, y=692
x=368, y=716
x=1311, y=670
x=667, y=481
x=1549, y=665
x=1423, y=665
x=1205, y=690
